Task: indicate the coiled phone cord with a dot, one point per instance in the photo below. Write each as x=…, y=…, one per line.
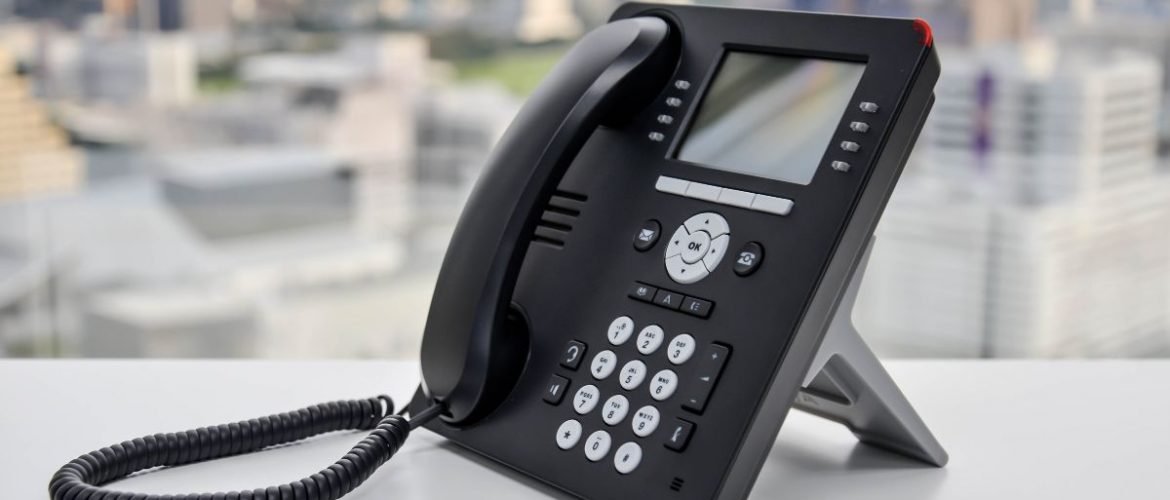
x=81, y=478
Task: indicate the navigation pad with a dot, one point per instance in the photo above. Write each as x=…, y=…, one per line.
x=696, y=247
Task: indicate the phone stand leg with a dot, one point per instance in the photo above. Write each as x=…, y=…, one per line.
x=847, y=384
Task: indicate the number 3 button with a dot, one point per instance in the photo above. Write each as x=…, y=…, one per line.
x=681, y=349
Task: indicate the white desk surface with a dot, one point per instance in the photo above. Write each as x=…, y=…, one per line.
x=1024, y=429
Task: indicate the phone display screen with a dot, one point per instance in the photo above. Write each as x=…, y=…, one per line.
x=770, y=116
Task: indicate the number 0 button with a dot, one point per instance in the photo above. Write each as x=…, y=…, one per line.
x=663, y=386
x=597, y=446
x=681, y=349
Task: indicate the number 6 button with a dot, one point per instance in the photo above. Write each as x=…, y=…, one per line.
x=663, y=385
x=681, y=349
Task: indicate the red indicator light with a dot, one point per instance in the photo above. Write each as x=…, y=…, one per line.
x=921, y=27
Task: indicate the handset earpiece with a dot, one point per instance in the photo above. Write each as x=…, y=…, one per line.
x=610, y=74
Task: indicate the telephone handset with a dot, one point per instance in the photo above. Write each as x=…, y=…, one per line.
x=657, y=262
x=467, y=350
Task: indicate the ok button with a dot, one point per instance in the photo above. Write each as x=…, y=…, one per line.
x=695, y=246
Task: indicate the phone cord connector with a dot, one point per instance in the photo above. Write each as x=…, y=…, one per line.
x=81, y=478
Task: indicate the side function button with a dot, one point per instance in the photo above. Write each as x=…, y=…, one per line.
x=840, y=166
x=627, y=458
x=620, y=330
x=850, y=146
x=696, y=307
x=650, y=339
x=679, y=435
x=604, y=363
x=663, y=385
x=868, y=107
x=574, y=353
x=647, y=235
x=586, y=399
x=645, y=421
x=642, y=292
x=615, y=409
x=859, y=127
x=710, y=367
x=597, y=446
x=668, y=299
x=749, y=258
x=568, y=434
x=681, y=348
x=554, y=392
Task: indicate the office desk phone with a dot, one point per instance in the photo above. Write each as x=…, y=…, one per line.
x=657, y=263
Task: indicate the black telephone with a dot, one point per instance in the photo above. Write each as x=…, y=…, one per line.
x=658, y=261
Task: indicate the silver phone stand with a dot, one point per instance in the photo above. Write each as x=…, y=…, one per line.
x=847, y=384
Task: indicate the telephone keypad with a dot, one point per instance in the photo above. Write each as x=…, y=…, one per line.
x=627, y=458
x=586, y=399
x=650, y=339
x=603, y=365
x=597, y=446
x=568, y=434
x=663, y=385
x=615, y=409
x=632, y=375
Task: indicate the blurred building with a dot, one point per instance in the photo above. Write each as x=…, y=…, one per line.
x=1033, y=222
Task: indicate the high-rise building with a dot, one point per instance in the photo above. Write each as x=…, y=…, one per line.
x=1034, y=221
x=35, y=155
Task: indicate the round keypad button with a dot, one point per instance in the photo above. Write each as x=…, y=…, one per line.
x=615, y=409
x=663, y=385
x=620, y=330
x=645, y=421
x=650, y=338
x=632, y=375
x=604, y=363
x=586, y=399
x=627, y=458
x=597, y=445
x=680, y=349
x=568, y=434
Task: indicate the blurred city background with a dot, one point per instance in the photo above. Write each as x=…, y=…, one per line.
x=278, y=178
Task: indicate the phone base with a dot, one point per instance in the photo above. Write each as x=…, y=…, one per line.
x=847, y=384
